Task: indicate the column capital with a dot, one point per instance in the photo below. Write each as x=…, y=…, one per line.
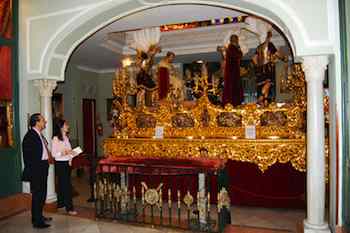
x=314, y=67
x=45, y=86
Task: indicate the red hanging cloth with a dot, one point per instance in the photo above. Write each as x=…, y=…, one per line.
x=5, y=51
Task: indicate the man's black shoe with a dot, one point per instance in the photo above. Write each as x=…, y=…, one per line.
x=41, y=225
x=47, y=219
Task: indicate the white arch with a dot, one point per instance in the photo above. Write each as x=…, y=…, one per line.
x=89, y=19
x=53, y=57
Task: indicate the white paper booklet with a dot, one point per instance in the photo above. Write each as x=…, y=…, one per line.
x=77, y=150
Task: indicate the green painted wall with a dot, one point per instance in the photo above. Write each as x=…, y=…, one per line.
x=10, y=158
x=80, y=84
x=104, y=93
x=10, y=170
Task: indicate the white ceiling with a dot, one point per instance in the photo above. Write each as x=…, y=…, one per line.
x=96, y=53
x=91, y=54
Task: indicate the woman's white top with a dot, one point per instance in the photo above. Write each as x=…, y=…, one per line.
x=58, y=148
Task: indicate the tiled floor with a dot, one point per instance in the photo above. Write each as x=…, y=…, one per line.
x=283, y=219
x=67, y=224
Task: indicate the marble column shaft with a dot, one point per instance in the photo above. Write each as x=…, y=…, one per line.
x=46, y=87
x=314, y=67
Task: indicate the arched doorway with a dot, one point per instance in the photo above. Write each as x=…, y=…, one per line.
x=51, y=63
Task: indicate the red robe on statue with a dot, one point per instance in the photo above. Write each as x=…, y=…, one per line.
x=233, y=92
x=163, y=82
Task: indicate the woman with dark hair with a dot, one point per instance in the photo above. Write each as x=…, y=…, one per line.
x=63, y=154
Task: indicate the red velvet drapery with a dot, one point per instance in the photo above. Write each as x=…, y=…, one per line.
x=5, y=51
x=6, y=18
x=281, y=186
x=5, y=73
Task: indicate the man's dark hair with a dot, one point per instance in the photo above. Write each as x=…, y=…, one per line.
x=34, y=119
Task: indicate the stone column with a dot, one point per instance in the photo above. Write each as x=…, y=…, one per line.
x=314, y=68
x=46, y=87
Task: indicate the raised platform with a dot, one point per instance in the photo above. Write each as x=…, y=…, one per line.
x=262, y=152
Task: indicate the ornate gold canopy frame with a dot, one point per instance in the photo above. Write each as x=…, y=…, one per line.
x=204, y=130
x=9, y=122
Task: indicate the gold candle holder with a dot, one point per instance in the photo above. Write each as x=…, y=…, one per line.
x=208, y=202
x=160, y=198
x=116, y=193
x=178, y=199
x=109, y=188
x=169, y=198
x=217, y=203
x=101, y=190
x=114, y=187
x=95, y=190
x=134, y=194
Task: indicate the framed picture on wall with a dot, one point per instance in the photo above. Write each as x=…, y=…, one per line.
x=57, y=106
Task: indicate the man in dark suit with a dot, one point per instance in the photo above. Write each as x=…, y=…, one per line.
x=36, y=165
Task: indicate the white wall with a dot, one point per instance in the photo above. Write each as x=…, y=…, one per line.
x=67, y=23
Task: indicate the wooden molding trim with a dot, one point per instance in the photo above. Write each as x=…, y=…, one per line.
x=341, y=229
x=15, y=204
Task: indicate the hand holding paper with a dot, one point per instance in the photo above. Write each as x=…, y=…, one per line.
x=76, y=151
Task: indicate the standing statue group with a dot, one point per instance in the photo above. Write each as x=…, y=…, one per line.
x=264, y=62
x=163, y=83
x=166, y=86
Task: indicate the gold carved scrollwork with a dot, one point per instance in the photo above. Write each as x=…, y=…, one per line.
x=152, y=196
x=188, y=200
x=9, y=113
x=263, y=153
x=204, y=130
x=206, y=120
x=6, y=124
x=296, y=83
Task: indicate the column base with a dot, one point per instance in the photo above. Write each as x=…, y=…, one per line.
x=51, y=198
x=26, y=187
x=312, y=228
